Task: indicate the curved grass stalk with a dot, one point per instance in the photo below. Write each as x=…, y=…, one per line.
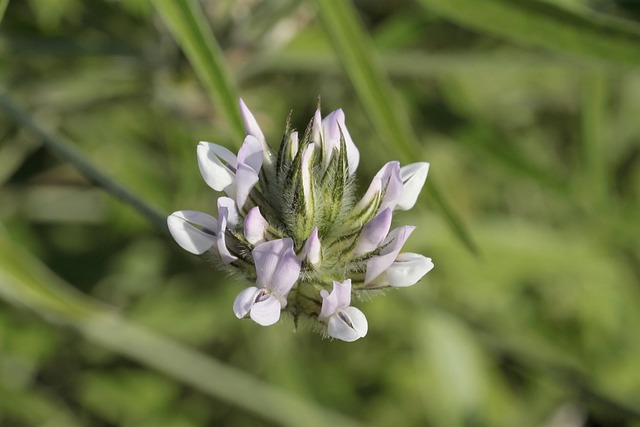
x=36, y=408
x=3, y=8
x=64, y=149
x=576, y=30
x=26, y=282
x=358, y=57
x=189, y=27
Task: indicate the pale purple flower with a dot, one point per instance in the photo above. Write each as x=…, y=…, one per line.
x=250, y=158
x=193, y=231
x=307, y=167
x=252, y=128
x=327, y=134
x=255, y=226
x=311, y=249
x=413, y=177
x=386, y=183
x=374, y=232
x=317, y=132
x=277, y=270
x=343, y=321
x=293, y=145
x=223, y=171
x=394, y=242
x=405, y=271
x=399, y=187
x=304, y=200
x=217, y=166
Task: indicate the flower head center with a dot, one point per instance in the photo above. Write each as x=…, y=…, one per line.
x=262, y=296
x=346, y=319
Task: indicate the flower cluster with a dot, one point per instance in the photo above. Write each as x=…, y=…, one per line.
x=290, y=223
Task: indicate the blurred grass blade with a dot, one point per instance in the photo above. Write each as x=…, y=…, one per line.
x=34, y=408
x=540, y=23
x=485, y=138
x=357, y=56
x=3, y=7
x=13, y=153
x=26, y=282
x=378, y=98
x=595, y=152
x=408, y=64
x=64, y=149
x=544, y=357
x=190, y=28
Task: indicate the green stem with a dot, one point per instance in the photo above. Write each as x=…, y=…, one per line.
x=190, y=28
x=64, y=149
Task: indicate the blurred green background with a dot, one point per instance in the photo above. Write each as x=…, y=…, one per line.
x=528, y=111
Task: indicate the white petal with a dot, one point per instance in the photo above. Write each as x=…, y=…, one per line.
x=250, y=153
x=247, y=179
x=391, y=184
x=348, y=324
x=251, y=126
x=232, y=210
x=317, y=129
x=197, y=238
x=413, y=178
x=374, y=189
x=407, y=269
x=223, y=251
x=353, y=155
x=267, y=311
x=331, y=129
x=293, y=137
x=249, y=164
x=329, y=305
x=387, y=179
x=333, y=126
x=307, y=166
x=245, y=300
x=343, y=292
x=217, y=165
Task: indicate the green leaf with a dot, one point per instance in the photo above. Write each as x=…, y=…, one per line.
x=191, y=30
x=386, y=112
x=576, y=31
x=26, y=282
